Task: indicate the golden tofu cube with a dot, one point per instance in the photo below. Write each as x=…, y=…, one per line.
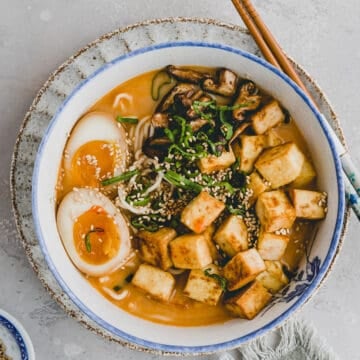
x=306, y=177
x=232, y=235
x=267, y=117
x=212, y=163
x=154, y=248
x=158, y=283
x=243, y=268
x=257, y=186
x=208, y=235
x=309, y=204
x=202, y=287
x=201, y=212
x=274, y=211
x=273, y=278
x=249, y=302
x=272, y=138
x=251, y=147
x=272, y=246
x=281, y=164
x=190, y=251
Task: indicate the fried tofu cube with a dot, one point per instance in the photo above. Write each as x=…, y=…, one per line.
x=273, y=278
x=212, y=163
x=158, y=283
x=243, y=268
x=250, y=149
x=208, y=235
x=249, y=302
x=267, y=117
x=257, y=186
x=308, y=204
x=274, y=211
x=307, y=175
x=201, y=212
x=272, y=138
x=281, y=164
x=154, y=248
x=272, y=246
x=202, y=287
x=232, y=235
x=190, y=251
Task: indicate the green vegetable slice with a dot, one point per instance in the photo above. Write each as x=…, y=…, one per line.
x=123, y=177
x=127, y=120
x=87, y=238
x=161, y=79
x=220, y=279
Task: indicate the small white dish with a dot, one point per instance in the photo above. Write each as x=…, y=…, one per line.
x=15, y=338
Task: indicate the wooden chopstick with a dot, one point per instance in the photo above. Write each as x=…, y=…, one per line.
x=267, y=43
x=275, y=55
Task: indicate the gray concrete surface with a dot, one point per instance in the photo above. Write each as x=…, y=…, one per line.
x=37, y=36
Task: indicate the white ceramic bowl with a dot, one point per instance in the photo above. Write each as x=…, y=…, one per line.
x=172, y=339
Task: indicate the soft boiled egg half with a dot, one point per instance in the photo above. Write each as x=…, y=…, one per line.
x=93, y=231
x=95, y=151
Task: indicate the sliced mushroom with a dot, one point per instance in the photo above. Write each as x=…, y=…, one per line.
x=225, y=83
x=156, y=147
x=249, y=97
x=168, y=99
x=160, y=120
x=191, y=113
x=239, y=131
x=197, y=124
x=187, y=75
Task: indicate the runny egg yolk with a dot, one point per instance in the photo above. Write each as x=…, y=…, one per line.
x=93, y=162
x=96, y=236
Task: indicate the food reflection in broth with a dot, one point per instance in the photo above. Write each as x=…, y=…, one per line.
x=196, y=196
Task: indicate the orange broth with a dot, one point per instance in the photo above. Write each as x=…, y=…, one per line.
x=133, y=98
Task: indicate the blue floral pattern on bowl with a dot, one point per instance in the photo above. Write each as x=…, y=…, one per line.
x=17, y=336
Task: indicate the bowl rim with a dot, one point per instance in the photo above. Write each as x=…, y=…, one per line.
x=226, y=345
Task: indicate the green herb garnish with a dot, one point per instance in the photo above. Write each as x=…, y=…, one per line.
x=87, y=238
x=181, y=181
x=123, y=177
x=220, y=279
x=141, y=202
x=127, y=120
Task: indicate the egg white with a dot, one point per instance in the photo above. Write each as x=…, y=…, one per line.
x=74, y=204
x=99, y=126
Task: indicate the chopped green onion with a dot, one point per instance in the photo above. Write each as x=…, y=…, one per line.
x=169, y=134
x=123, y=177
x=238, y=211
x=221, y=280
x=181, y=181
x=226, y=128
x=226, y=185
x=127, y=120
x=136, y=223
x=117, y=288
x=87, y=238
x=142, y=202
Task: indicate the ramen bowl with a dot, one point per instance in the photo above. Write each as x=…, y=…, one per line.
x=165, y=339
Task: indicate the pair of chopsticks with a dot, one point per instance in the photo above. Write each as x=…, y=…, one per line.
x=275, y=55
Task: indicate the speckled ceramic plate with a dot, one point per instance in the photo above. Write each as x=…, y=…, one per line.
x=66, y=78
x=15, y=338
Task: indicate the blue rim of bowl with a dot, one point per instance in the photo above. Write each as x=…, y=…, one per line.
x=7, y=321
x=165, y=348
